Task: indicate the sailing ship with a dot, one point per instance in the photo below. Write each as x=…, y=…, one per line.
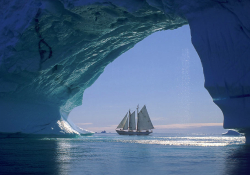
x=128, y=125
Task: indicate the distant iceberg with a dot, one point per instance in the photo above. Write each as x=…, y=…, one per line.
x=231, y=133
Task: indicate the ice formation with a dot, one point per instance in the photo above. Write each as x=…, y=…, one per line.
x=52, y=50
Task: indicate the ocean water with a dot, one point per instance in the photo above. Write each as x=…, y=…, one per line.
x=112, y=154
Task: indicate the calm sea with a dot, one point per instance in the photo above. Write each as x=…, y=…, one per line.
x=111, y=154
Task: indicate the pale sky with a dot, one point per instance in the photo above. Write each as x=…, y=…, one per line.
x=163, y=72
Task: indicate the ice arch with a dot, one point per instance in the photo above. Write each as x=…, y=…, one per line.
x=51, y=51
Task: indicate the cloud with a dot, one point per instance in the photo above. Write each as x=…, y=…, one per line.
x=186, y=125
x=158, y=119
x=89, y=126
x=82, y=124
x=110, y=128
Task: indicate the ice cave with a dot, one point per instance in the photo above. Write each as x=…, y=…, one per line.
x=51, y=51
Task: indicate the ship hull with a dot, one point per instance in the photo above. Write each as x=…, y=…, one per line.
x=121, y=132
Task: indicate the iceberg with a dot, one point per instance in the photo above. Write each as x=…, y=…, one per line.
x=51, y=51
x=231, y=133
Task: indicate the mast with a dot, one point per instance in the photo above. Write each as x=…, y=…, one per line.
x=137, y=117
x=129, y=118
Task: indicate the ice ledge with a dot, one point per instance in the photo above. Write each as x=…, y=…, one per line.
x=236, y=113
x=29, y=119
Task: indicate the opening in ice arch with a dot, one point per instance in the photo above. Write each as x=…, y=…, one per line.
x=57, y=49
x=164, y=72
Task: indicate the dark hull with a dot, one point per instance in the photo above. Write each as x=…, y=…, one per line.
x=133, y=133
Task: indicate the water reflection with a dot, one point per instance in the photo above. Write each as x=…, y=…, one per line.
x=29, y=156
x=125, y=155
x=238, y=161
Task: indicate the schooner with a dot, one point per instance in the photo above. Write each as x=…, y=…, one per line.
x=128, y=125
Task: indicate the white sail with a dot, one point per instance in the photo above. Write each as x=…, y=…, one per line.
x=122, y=123
x=132, y=122
x=125, y=127
x=144, y=122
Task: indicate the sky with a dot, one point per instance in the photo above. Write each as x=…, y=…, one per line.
x=164, y=73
